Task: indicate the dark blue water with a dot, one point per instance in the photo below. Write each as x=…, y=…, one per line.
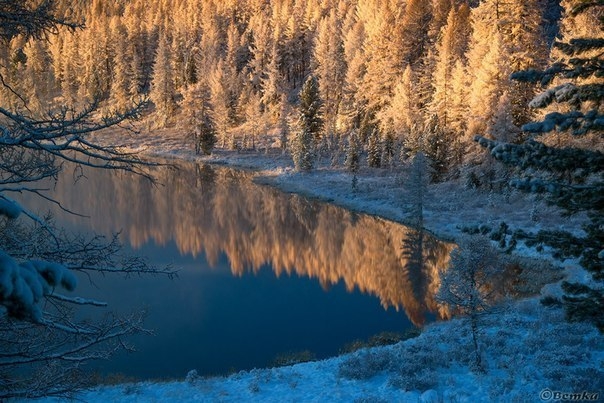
x=261, y=273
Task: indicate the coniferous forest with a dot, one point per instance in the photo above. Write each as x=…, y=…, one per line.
x=402, y=76
x=496, y=96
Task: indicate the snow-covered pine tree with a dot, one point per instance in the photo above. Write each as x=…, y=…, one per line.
x=311, y=108
x=374, y=149
x=310, y=126
x=198, y=120
x=303, y=150
x=353, y=152
x=568, y=172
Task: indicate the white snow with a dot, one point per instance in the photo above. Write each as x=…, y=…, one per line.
x=527, y=349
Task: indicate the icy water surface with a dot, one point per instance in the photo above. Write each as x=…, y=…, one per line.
x=262, y=273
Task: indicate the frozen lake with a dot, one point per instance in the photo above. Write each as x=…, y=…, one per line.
x=262, y=273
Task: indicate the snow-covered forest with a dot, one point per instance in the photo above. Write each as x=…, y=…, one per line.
x=413, y=74
x=484, y=95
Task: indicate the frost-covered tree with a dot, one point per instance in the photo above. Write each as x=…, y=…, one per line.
x=309, y=126
x=303, y=149
x=562, y=156
x=467, y=285
x=416, y=189
x=121, y=82
x=351, y=106
x=330, y=66
x=450, y=49
x=43, y=343
x=311, y=108
x=162, y=87
x=402, y=117
x=353, y=152
x=374, y=149
x=197, y=111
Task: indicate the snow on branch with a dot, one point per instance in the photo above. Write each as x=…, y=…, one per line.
x=9, y=208
x=23, y=285
x=64, y=135
x=77, y=300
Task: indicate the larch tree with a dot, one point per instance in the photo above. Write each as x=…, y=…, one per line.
x=255, y=122
x=162, y=86
x=403, y=116
x=224, y=105
x=487, y=61
x=198, y=117
x=414, y=25
x=382, y=67
x=272, y=85
x=43, y=342
x=352, y=106
x=121, y=82
x=69, y=73
x=330, y=66
x=39, y=75
x=450, y=48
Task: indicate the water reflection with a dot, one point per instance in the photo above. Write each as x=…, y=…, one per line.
x=221, y=211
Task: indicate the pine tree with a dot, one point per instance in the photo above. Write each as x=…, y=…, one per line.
x=416, y=187
x=310, y=126
x=311, y=108
x=569, y=174
x=374, y=149
x=302, y=149
x=353, y=152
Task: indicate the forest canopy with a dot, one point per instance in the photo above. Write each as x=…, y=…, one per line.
x=416, y=71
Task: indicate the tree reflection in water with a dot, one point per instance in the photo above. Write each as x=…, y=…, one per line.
x=218, y=211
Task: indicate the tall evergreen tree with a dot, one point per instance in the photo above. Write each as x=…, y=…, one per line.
x=311, y=108
x=310, y=125
x=374, y=149
x=572, y=176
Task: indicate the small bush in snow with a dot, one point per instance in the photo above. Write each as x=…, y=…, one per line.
x=422, y=380
x=192, y=376
x=365, y=364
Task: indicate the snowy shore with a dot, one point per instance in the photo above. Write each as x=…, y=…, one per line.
x=530, y=353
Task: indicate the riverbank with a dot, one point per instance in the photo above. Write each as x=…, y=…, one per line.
x=449, y=207
x=529, y=352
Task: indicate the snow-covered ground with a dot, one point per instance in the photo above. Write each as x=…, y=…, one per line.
x=530, y=352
